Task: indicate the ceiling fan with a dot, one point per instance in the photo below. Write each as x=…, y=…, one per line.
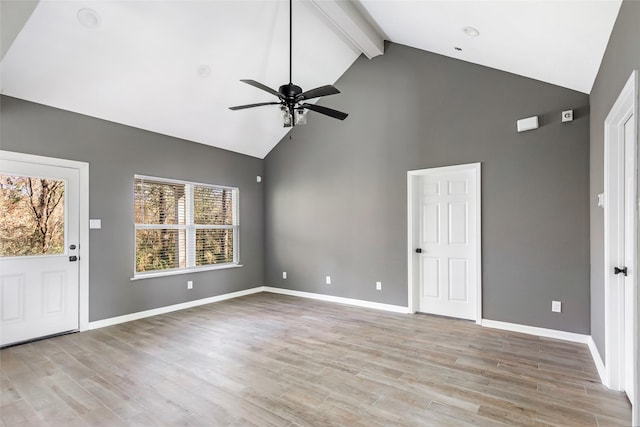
x=291, y=97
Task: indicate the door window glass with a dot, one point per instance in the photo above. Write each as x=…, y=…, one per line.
x=32, y=216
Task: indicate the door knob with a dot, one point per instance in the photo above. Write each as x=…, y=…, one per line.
x=72, y=247
x=419, y=250
x=622, y=270
x=73, y=258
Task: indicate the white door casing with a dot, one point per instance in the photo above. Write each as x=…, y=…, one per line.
x=444, y=224
x=47, y=294
x=621, y=219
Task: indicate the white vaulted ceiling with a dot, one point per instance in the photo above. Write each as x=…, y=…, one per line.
x=173, y=67
x=556, y=41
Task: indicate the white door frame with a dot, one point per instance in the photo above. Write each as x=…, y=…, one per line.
x=83, y=247
x=625, y=105
x=413, y=179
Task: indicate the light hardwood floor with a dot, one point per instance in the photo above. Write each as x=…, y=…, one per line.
x=272, y=360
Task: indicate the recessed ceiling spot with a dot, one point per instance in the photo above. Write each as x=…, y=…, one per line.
x=204, y=71
x=471, y=32
x=88, y=18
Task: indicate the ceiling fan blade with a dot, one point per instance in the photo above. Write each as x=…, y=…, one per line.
x=326, y=111
x=262, y=87
x=317, y=92
x=260, y=104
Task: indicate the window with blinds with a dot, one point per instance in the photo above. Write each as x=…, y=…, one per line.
x=183, y=225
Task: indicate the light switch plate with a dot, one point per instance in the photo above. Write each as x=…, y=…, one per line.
x=95, y=223
x=556, y=306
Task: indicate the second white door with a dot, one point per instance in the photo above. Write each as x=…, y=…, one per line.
x=629, y=243
x=621, y=222
x=448, y=252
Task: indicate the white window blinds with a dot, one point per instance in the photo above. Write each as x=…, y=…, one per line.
x=184, y=225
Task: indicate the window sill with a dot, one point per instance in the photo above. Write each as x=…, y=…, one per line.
x=185, y=271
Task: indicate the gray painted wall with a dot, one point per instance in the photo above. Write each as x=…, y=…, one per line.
x=621, y=58
x=115, y=153
x=335, y=192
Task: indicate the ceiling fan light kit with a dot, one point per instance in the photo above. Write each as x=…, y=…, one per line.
x=301, y=116
x=291, y=97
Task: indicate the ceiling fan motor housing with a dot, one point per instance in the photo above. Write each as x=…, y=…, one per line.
x=290, y=91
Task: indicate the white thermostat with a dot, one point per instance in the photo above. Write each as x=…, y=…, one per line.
x=527, y=124
x=567, y=116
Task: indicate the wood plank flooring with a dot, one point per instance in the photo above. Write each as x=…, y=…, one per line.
x=273, y=360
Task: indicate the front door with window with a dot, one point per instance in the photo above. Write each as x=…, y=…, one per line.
x=39, y=234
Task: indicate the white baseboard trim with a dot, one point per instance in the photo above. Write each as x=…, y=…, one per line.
x=552, y=333
x=340, y=300
x=175, y=307
x=595, y=354
x=534, y=330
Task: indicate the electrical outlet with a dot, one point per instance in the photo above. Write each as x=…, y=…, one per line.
x=378, y=286
x=327, y=280
x=556, y=306
x=284, y=274
x=190, y=284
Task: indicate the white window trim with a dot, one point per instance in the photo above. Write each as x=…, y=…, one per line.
x=190, y=226
x=176, y=271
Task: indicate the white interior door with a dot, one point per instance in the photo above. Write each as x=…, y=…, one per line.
x=621, y=228
x=629, y=243
x=448, y=242
x=39, y=281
